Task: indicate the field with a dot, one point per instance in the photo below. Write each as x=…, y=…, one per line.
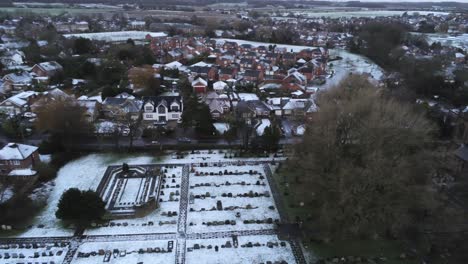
x=349, y=14
x=56, y=11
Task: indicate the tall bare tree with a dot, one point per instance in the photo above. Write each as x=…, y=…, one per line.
x=364, y=168
x=65, y=119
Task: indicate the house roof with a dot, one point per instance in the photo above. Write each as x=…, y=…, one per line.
x=199, y=80
x=22, y=172
x=219, y=85
x=19, y=78
x=50, y=66
x=21, y=99
x=164, y=100
x=15, y=151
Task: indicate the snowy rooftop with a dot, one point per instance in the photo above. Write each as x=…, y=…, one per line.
x=15, y=151
x=22, y=172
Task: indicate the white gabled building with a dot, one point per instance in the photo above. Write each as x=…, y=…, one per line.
x=163, y=108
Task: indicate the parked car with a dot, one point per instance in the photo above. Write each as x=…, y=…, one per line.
x=29, y=115
x=184, y=140
x=125, y=132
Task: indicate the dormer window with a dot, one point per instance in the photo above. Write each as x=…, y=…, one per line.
x=161, y=109
x=148, y=108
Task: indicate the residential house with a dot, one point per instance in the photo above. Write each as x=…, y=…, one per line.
x=47, y=97
x=17, y=82
x=253, y=76
x=247, y=64
x=92, y=108
x=206, y=72
x=227, y=74
x=219, y=86
x=18, y=159
x=47, y=69
x=17, y=104
x=162, y=109
x=121, y=108
x=199, y=85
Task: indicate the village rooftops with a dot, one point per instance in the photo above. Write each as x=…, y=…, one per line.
x=50, y=66
x=15, y=151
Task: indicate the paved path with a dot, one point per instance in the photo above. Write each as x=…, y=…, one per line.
x=180, y=237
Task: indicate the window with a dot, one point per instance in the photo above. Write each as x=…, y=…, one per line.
x=14, y=162
x=161, y=109
x=148, y=108
x=175, y=108
x=148, y=116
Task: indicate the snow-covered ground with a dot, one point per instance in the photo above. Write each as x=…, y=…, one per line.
x=244, y=253
x=46, y=253
x=233, y=187
x=85, y=174
x=350, y=64
x=125, y=252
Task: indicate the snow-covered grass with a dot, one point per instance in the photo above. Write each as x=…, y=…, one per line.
x=85, y=174
x=257, y=253
x=125, y=252
x=350, y=64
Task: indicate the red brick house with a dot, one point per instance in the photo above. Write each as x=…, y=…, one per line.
x=227, y=73
x=16, y=158
x=253, y=76
x=47, y=69
x=199, y=85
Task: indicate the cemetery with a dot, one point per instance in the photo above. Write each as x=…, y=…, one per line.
x=200, y=207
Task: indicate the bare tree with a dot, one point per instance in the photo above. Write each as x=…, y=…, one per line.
x=364, y=166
